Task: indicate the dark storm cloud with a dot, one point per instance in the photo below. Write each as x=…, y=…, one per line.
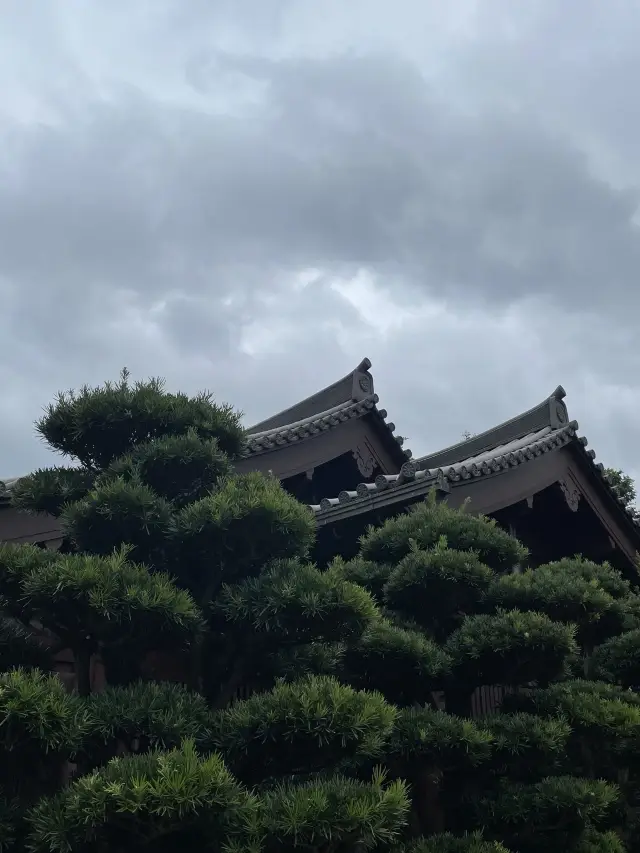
x=168, y=170
x=346, y=162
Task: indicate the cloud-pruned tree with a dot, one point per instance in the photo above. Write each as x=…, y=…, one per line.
x=257, y=702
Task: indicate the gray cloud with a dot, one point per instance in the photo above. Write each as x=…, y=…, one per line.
x=170, y=174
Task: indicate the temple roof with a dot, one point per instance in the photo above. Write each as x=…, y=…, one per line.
x=551, y=414
x=356, y=385
x=351, y=397
x=544, y=429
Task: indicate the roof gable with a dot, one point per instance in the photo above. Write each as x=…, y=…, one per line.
x=551, y=414
x=356, y=386
x=350, y=398
x=541, y=430
x=536, y=433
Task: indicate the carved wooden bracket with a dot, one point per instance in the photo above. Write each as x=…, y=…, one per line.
x=571, y=495
x=365, y=460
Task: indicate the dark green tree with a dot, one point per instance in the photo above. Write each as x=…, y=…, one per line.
x=624, y=487
x=188, y=587
x=553, y=767
x=255, y=702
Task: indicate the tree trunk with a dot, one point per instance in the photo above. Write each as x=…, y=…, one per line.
x=458, y=701
x=82, y=658
x=230, y=688
x=208, y=595
x=195, y=665
x=426, y=800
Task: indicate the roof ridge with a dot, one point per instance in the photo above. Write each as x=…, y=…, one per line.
x=271, y=438
x=505, y=456
x=354, y=387
x=551, y=412
x=341, y=407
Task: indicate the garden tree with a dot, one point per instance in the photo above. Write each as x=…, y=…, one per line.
x=90, y=604
x=624, y=487
x=555, y=768
x=355, y=733
x=171, y=561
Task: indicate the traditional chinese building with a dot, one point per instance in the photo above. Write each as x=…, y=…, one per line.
x=337, y=452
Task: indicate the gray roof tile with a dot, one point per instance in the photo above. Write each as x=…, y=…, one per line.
x=498, y=459
x=270, y=439
x=541, y=430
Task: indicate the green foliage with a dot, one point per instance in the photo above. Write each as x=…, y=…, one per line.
x=142, y=717
x=367, y=573
x=20, y=646
x=437, y=588
x=565, y=594
x=161, y=799
x=600, y=842
x=117, y=513
x=403, y=664
x=97, y=425
x=49, y=489
x=601, y=689
x=191, y=572
x=294, y=662
x=618, y=660
x=605, y=730
x=334, y=815
x=554, y=814
x=424, y=737
x=623, y=486
x=630, y=606
x=179, y=468
x=104, y=600
x=294, y=603
x=41, y=726
x=583, y=704
x=91, y=603
x=526, y=746
x=510, y=648
x=425, y=524
x=16, y=563
x=11, y=824
x=447, y=843
x=600, y=574
x=302, y=728
x=233, y=533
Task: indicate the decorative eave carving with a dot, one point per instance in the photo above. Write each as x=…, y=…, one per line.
x=571, y=494
x=365, y=460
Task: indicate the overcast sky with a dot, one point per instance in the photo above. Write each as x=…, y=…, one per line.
x=250, y=196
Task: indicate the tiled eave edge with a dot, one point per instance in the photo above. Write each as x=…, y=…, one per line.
x=294, y=433
x=600, y=471
x=413, y=482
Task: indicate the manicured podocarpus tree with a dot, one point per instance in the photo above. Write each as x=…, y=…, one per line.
x=192, y=588
x=555, y=768
x=188, y=586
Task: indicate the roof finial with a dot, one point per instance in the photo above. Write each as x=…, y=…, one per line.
x=559, y=393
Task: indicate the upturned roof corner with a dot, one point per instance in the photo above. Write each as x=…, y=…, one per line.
x=551, y=413
x=356, y=386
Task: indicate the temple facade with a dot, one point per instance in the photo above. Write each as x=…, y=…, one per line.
x=337, y=452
